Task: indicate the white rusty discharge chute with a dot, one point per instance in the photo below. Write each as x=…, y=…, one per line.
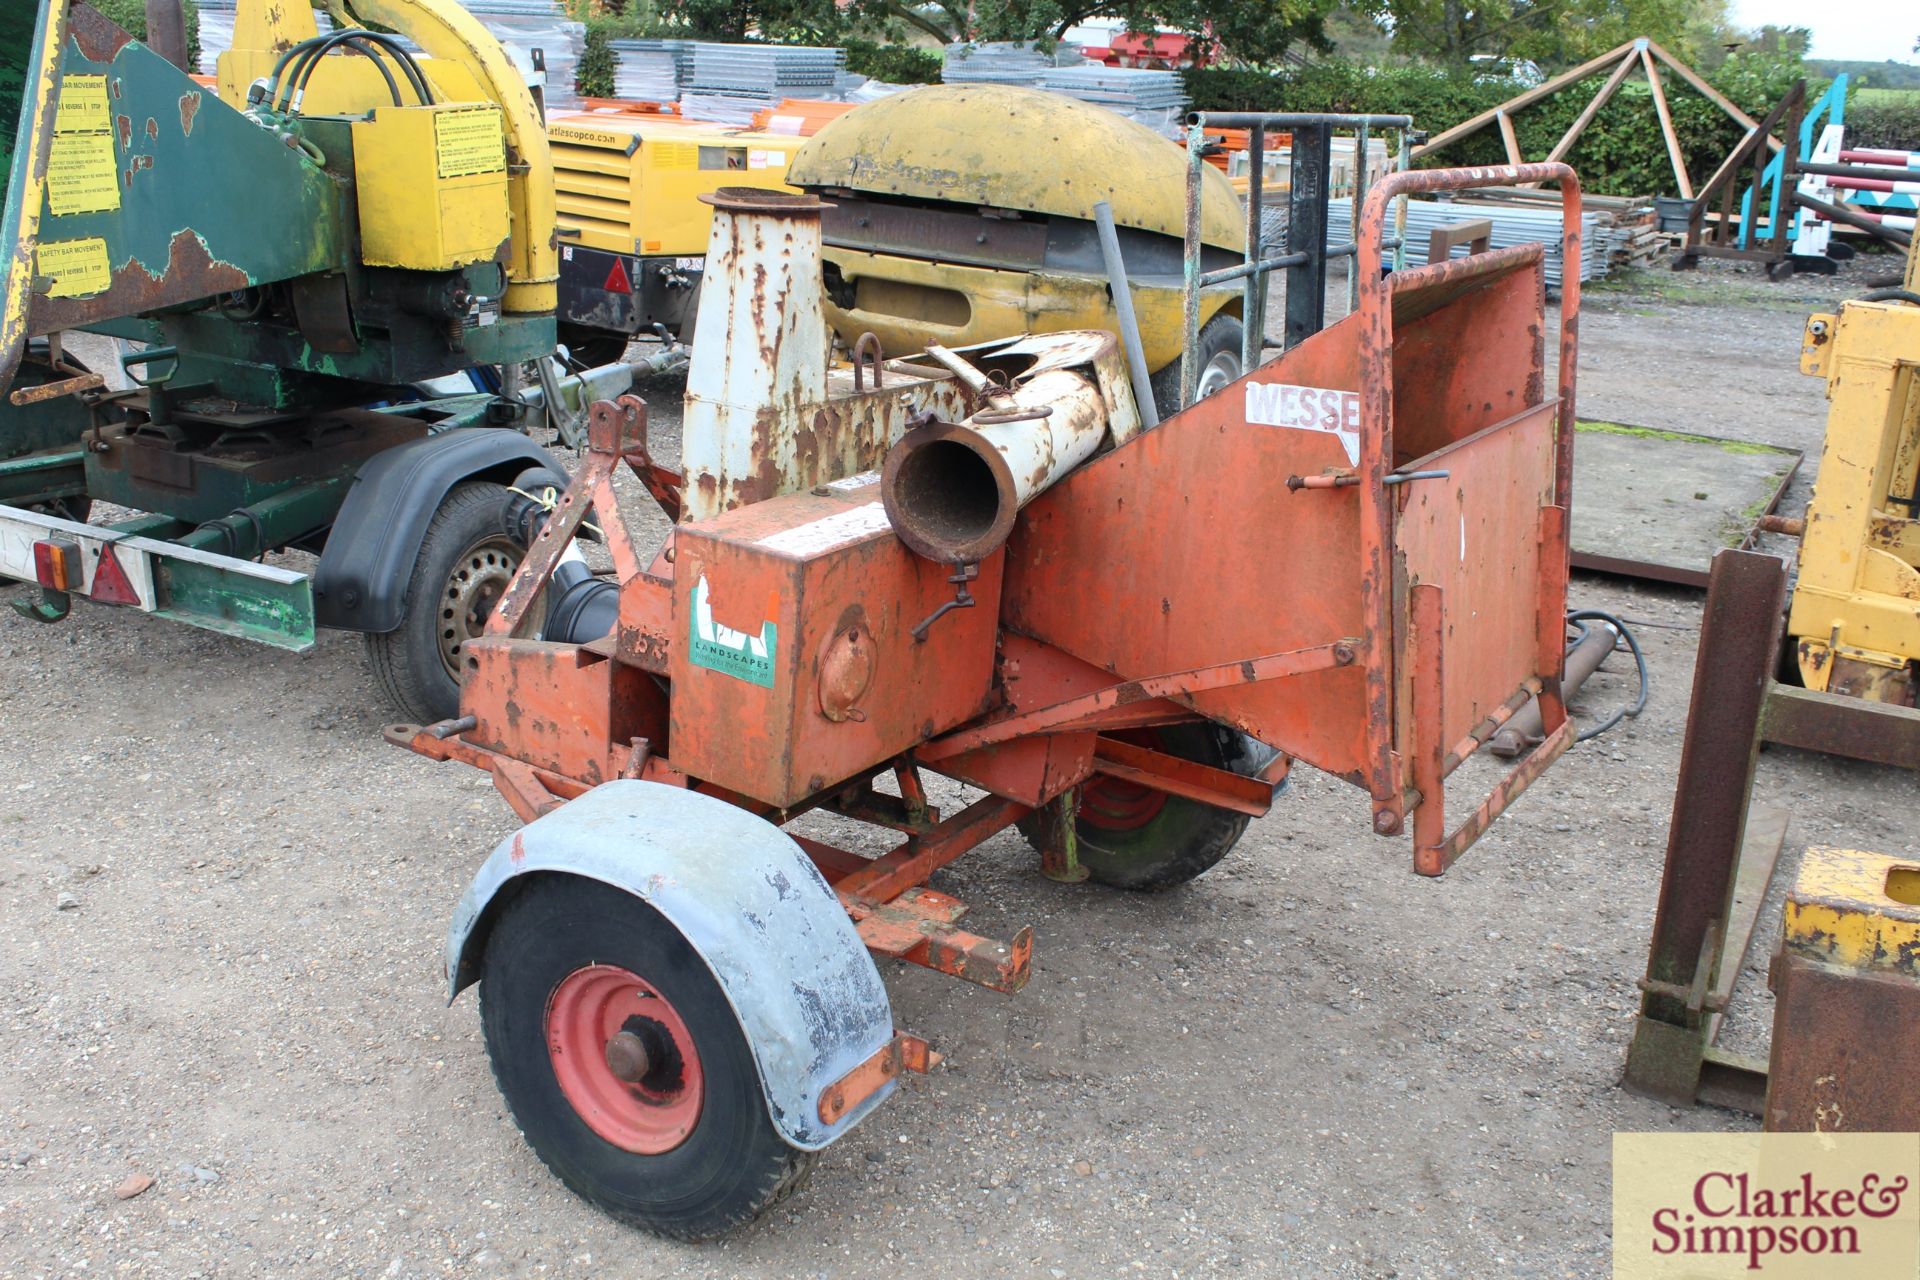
x=766, y=414
x=952, y=490
x=762, y=344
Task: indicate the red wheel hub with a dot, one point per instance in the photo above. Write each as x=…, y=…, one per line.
x=624, y=1059
x=1111, y=804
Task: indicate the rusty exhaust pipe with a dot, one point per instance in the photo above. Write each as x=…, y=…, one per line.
x=952, y=489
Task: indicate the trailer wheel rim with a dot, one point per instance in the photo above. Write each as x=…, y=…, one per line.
x=1217, y=374
x=1111, y=804
x=624, y=1059
x=478, y=579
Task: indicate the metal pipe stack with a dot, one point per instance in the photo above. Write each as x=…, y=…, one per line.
x=1003, y=62
x=1511, y=225
x=651, y=70
x=730, y=82
x=521, y=25
x=525, y=25
x=1157, y=99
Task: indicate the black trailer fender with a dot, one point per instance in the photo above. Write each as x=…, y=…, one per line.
x=361, y=583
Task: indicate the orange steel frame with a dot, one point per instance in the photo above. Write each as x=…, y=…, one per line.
x=1432, y=756
x=1392, y=694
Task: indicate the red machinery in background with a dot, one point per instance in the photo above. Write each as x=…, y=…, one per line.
x=976, y=564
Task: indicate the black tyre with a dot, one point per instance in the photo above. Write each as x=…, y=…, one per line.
x=465, y=562
x=594, y=347
x=1220, y=340
x=675, y=1138
x=1134, y=837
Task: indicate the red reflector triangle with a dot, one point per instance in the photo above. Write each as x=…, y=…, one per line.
x=617, y=281
x=110, y=582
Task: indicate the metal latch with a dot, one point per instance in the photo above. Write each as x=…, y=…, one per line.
x=1348, y=479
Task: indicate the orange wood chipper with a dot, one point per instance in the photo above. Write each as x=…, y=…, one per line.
x=975, y=564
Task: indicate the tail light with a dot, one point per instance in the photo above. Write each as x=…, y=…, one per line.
x=57, y=565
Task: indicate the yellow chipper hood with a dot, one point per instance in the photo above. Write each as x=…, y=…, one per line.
x=1012, y=148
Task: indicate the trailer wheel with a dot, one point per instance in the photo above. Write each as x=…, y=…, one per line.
x=594, y=347
x=1220, y=340
x=465, y=562
x=1134, y=837
x=624, y=1065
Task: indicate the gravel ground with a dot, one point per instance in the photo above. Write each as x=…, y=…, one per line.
x=224, y=902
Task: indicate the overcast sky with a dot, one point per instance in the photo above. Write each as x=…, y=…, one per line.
x=1871, y=29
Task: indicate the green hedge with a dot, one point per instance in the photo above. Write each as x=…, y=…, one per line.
x=593, y=73
x=1621, y=152
x=1895, y=125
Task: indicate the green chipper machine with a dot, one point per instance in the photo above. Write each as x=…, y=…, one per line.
x=309, y=276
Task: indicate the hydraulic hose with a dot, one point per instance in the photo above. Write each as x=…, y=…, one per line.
x=1577, y=618
x=1523, y=730
x=370, y=43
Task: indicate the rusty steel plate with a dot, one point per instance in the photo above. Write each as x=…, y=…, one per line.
x=1658, y=504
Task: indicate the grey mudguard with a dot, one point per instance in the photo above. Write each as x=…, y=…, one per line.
x=361, y=581
x=750, y=902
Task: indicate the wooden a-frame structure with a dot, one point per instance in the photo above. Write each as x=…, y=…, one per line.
x=1640, y=52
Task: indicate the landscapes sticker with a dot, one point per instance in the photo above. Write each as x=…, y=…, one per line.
x=82, y=176
x=83, y=106
x=82, y=173
x=739, y=654
x=1768, y=1206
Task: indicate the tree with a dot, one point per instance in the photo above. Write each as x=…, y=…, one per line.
x=1547, y=31
x=1793, y=42
x=1258, y=32
x=1710, y=35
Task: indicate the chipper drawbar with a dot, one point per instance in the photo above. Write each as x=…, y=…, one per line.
x=978, y=564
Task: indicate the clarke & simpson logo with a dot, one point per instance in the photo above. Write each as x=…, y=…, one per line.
x=1726, y=1216
x=1709, y=1205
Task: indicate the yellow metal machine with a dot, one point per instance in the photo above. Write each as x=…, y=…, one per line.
x=1855, y=618
x=1846, y=982
x=622, y=260
x=431, y=216
x=633, y=229
x=309, y=262
x=426, y=159
x=965, y=213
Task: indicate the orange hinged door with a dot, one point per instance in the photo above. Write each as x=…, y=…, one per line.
x=1476, y=409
